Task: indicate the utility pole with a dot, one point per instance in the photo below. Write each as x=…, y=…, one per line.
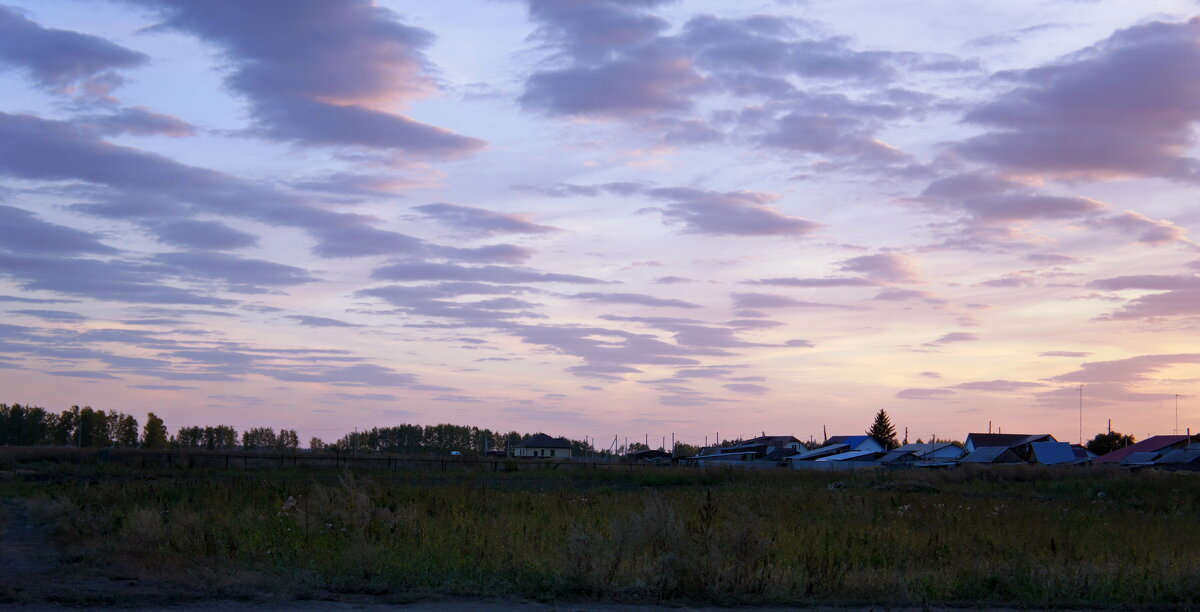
x=1081, y=415
x=672, y=443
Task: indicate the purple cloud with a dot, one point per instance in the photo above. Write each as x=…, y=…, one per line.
x=955, y=337
x=1124, y=371
x=328, y=90
x=998, y=386
x=480, y=221
x=137, y=121
x=54, y=316
x=493, y=274
x=611, y=61
x=791, y=281
x=1179, y=303
x=883, y=267
x=22, y=232
x=1063, y=354
x=61, y=60
x=310, y=321
x=673, y=280
x=747, y=388
x=924, y=394
x=634, y=298
x=192, y=234
x=1153, y=282
x=770, y=300
x=115, y=280
x=1124, y=106
x=734, y=213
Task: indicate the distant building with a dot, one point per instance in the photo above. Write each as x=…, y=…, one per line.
x=1153, y=444
x=938, y=451
x=769, y=448
x=543, y=446
x=1019, y=444
x=649, y=454
x=860, y=442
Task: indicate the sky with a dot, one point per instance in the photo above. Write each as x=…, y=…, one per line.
x=604, y=218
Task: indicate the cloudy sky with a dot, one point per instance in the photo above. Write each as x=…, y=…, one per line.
x=604, y=217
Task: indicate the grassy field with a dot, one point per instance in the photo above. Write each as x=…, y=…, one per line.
x=1019, y=536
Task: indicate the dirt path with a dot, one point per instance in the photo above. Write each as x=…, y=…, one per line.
x=25, y=547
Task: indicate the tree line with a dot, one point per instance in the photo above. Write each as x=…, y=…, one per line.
x=86, y=427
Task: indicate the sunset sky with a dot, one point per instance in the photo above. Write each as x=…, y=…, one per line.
x=604, y=218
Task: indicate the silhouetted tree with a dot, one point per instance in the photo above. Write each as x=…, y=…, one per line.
x=1106, y=443
x=154, y=434
x=883, y=430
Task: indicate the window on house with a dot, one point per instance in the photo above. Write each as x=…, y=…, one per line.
x=551, y=452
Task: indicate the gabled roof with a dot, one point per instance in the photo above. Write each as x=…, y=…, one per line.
x=1053, y=453
x=828, y=449
x=991, y=454
x=772, y=440
x=1151, y=444
x=925, y=447
x=779, y=454
x=852, y=456
x=898, y=456
x=982, y=440
x=853, y=441
x=1146, y=458
x=1180, y=457
x=541, y=440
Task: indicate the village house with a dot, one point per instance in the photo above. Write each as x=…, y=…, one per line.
x=934, y=451
x=1159, y=445
x=1019, y=444
x=543, y=446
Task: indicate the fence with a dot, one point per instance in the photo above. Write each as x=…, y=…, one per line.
x=248, y=460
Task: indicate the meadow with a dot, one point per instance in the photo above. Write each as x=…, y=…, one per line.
x=1009, y=536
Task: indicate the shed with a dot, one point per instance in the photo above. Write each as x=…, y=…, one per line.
x=541, y=445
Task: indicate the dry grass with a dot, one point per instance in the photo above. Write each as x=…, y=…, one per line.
x=1017, y=536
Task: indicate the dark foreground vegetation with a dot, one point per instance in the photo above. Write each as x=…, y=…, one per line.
x=1020, y=536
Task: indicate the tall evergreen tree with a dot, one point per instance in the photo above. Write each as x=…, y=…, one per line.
x=883, y=430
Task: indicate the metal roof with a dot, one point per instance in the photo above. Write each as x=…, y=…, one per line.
x=1146, y=458
x=1053, y=453
x=898, y=456
x=1180, y=457
x=851, y=456
x=853, y=441
x=924, y=448
x=991, y=454
x=982, y=440
x=820, y=452
x=1153, y=443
